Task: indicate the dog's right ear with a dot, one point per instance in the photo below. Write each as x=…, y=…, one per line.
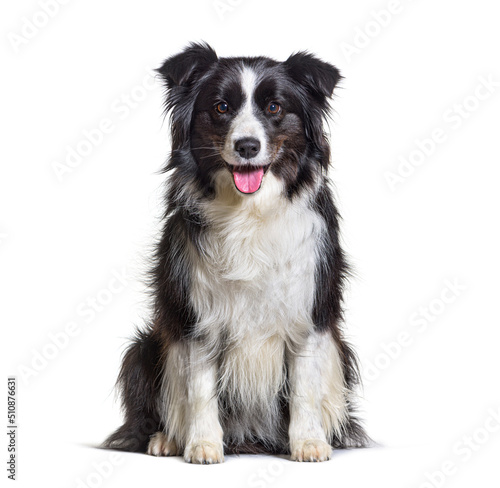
x=180, y=74
x=185, y=68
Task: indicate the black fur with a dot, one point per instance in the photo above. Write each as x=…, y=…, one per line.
x=193, y=80
x=138, y=383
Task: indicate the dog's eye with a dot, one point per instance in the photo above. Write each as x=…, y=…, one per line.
x=273, y=108
x=222, y=108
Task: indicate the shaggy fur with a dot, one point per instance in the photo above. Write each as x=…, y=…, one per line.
x=245, y=350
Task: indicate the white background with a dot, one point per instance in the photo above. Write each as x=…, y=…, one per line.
x=63, y=239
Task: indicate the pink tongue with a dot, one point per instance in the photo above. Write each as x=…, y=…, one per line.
x=248, y=180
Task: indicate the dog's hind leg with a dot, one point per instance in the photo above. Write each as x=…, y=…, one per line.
x=139, y=384
x=161, y=445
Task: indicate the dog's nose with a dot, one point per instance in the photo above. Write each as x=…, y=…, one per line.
x=248, y=147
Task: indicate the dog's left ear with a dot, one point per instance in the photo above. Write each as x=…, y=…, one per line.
x=186, y=67
x=318, y=77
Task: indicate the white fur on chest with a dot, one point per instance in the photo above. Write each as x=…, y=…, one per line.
x=253, y=287
x=256, y=271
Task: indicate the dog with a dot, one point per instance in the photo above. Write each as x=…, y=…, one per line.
x=245, y=351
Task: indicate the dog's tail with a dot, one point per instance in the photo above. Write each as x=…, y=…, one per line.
x=139, y=385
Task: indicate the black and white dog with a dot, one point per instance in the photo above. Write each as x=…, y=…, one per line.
x=245, y=351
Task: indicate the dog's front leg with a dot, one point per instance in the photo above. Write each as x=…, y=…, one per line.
x=204, y=432
x=317, y=400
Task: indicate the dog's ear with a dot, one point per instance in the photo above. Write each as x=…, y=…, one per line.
x=186, y=67
x=180, y=74
x=318, y=77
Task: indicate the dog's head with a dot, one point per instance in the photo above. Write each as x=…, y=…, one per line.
x=248, y=116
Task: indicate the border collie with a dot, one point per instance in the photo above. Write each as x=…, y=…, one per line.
x=245, y=351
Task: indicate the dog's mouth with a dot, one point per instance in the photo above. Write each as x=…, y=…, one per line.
x=248, y=179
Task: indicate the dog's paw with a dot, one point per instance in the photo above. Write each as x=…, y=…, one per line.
x=204, y=452
x=159, y=445
x=311, y=450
